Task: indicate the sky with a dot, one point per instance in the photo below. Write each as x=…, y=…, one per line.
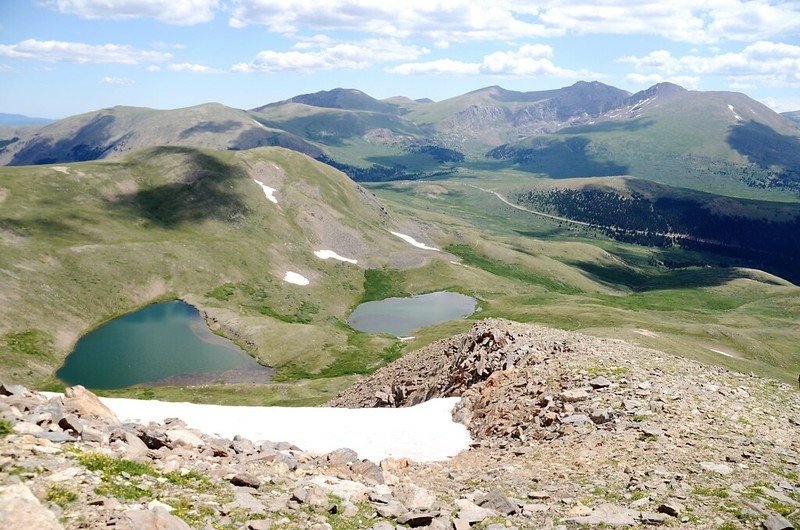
x=64, y=57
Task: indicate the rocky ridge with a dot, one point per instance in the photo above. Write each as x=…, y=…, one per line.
x=570, y=431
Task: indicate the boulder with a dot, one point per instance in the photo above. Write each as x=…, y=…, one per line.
x=156, y=519
x=83, y=403
x=20, y=510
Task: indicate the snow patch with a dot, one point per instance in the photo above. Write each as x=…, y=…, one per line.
x=423, y=433
x=259, y=124
x=726, y=354
x=327, y=254
x=269, y=192
x=738, y=118
x=410, y=240
x=297, y=279
x=61, y=169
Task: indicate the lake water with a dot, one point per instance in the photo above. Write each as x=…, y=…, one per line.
x=401, y=316
x=166, y=343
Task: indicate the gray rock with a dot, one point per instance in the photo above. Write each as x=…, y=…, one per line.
x=714, y=467
x=776, y=522
x=242, y=498
x=608, y=514
x=573, y=396
x=382, y=525
x=417, y=519
x=157, y=519
x=600, y=416
x=370, y=471
x=342, y=456
x=599, y=382
x=90, y=434
x=391, y=510
x=575, y=419
x=71, y=422
x=12, y=390
x=242, y=446
x=652, y=431
x=21, y=510
x=55, y=436
x=258, y=524
x=494, y=500
x=246, y=480
x=672, y=508
x=538, y=495
x=472, y=513
x=654, y=518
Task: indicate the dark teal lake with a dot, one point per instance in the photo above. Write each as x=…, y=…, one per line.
x=166, y=343
x=401, y=316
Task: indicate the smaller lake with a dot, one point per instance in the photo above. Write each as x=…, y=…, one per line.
x=167, y=343
x=401, y=316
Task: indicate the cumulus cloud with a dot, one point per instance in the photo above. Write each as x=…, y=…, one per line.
x=79, y=52
x=446, y=21
x=782, y=104
x=527, y=61
x=183, y=12
x=686, y=81
x=118, y=81
x=192, y=68
x=762, y=63
x=312, y=56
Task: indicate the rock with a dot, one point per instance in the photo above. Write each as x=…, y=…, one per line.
x=414, y=497
x=600, y=416
x=258, y=524
x=776, y=522
x=599, y=382
x=242, y=498
x=538, y=495
x=654, y=518
x=391, y=510
x=242, y=446
x=12, y=390
x=714, y=467
x=321, y=526
x=90, y=434
x=672, y=508
x=25, y=427
x=82, y=402
x=607, y=514
x=156, y=519
x=57, y=437
x=382, y=525
x=129, y=444
x=155, y=503
x=21, y=510
x=651, y=431
x=65, y=475
x=246, y=480
x=573, y=396
x=341, y=457
x=496, y=501
x=71, y=422
x=184, y=438
x=417, y=519
x=370, y=471
x=575, y=419
x=471, y=512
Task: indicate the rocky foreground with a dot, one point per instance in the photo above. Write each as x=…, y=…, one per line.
x=569, y=431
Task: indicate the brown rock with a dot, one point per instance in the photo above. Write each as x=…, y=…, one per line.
x=82, y=402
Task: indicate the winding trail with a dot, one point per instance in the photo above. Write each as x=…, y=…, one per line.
x=671, y=235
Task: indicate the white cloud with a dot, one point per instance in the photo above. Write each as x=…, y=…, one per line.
x=329, y=55
x=183, y=12
x=192, y=68
x=448, y=21
x=647, y=80
x=782, y=104
x=762, y=63
x=79, y=52
x=153, y=68
x=527, y=61
x=118, y=81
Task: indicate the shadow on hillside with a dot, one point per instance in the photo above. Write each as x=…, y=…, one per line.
x=206, y=192
x=610, y=126
x=90, y=142
x=43, y=226
x=681, y=278
x=765, y=147
x=210, y=127
x=558, y=158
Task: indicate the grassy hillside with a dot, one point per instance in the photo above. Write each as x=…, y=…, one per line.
x=81, y=243
x=531, y=268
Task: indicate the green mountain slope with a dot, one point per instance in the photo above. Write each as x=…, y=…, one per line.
x=723, y=142
x=81, y=243
x=111, y=133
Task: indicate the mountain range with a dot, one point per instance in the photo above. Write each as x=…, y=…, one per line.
x=723, y=142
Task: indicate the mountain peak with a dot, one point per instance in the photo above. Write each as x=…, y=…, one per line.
x=339, y=98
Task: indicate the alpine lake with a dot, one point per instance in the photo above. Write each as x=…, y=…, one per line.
x=169, y=343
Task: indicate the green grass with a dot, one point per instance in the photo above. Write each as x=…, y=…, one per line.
x=383, y=283
x=61, y=495
x=6, y=427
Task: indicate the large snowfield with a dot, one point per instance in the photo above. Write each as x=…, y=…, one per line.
x=423, y=433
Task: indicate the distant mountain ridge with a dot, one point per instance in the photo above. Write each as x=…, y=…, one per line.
x=665, y=133
x=17, y=120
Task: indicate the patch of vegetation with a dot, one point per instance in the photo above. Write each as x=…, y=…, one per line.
x=61, y=495
x=721, y=492
x=5, y=427
x=117, y=475
x=223, y=292
x=383, y=283
x=509, y=270
x=30, y=343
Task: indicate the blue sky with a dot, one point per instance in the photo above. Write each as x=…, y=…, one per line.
x=63, y=57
